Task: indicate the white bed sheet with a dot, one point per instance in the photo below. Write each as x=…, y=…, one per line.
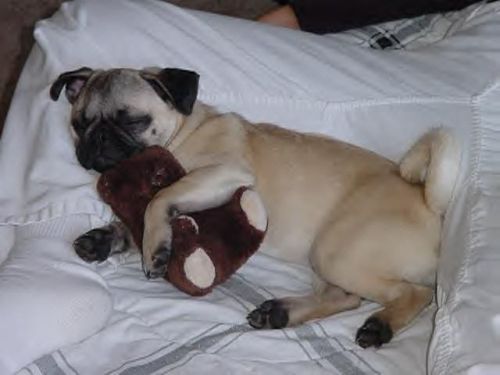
x=379, y=100
x=154, y=329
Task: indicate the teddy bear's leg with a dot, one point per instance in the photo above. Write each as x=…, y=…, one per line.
x=253, y=207
x=199, y=269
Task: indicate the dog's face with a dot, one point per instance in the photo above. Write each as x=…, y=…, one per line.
x=118, y=112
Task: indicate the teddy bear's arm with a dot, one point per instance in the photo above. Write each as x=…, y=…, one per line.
x=199, y=190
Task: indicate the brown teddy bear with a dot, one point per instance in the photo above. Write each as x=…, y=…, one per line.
x=207, y=246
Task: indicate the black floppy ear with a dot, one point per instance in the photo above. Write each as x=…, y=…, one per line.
x=73, y=81
x=177, y=86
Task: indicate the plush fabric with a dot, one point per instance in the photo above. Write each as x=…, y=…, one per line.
x=130, y=186
x=224, y=233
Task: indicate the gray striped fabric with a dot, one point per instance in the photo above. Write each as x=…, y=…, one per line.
x=48, y=365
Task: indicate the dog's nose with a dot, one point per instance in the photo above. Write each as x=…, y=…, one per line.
x=88, y=164
x=86, y=159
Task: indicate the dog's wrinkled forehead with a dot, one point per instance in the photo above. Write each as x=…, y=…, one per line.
x=109, y=91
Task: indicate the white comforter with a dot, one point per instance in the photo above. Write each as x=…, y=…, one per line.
x=61, y=316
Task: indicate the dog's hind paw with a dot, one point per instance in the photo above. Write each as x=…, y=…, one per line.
x=271, y=314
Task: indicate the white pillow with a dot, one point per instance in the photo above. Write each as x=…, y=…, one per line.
x=48, y=297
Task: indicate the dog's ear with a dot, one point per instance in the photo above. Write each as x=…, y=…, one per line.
x=177, y=86
x=73, y=81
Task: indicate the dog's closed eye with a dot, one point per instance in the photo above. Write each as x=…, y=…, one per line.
x=134, y=122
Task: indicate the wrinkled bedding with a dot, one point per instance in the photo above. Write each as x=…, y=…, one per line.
x=59, y=315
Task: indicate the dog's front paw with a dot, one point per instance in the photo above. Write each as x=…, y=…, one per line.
x=95, y=245
x=156, y=245
x=156, y=248
x=159, y=263
x=271, y=314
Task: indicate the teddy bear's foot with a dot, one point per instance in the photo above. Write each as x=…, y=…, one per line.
x=199, y=269
x=253, y=207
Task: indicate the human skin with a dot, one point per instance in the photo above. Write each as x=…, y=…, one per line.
x=283, y=16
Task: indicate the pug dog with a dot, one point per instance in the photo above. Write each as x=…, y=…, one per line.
x=368, y=227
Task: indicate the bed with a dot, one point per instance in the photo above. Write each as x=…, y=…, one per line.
x=59, y=315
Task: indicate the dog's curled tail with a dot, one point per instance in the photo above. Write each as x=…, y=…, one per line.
x=434, y=161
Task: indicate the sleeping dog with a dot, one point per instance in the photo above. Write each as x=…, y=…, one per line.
x=369, y=228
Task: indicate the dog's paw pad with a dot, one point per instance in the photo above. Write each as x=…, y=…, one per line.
x=374, y=332
x=271, y=314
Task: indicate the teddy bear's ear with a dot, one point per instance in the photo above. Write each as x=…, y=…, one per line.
x=186, y=224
